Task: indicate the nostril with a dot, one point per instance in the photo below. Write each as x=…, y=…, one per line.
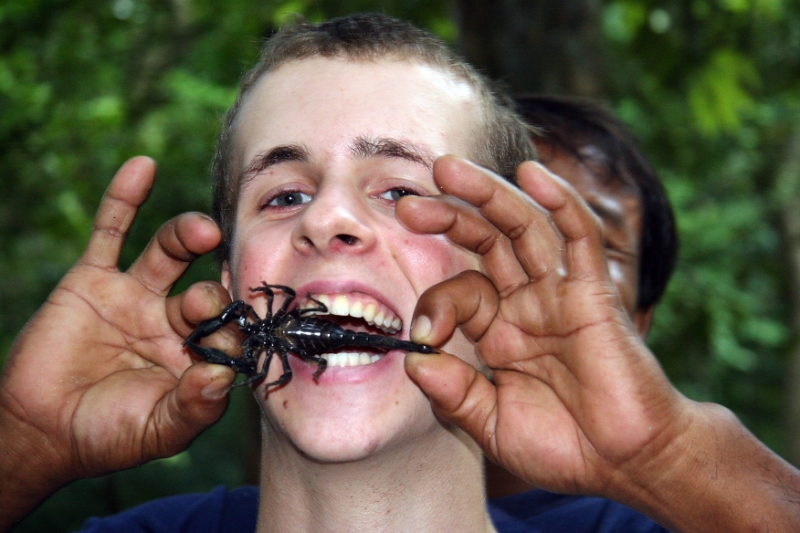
x=347, y=239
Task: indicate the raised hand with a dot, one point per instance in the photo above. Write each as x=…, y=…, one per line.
x=571, y=383
x=576, y=403
x=98, y=380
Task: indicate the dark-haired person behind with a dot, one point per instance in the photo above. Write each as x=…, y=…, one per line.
x=333, y=177
x=587, y=146
x=592, y=150
x=571, y=130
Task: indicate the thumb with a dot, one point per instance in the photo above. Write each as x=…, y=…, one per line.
x=199, y=400
x=458, y=392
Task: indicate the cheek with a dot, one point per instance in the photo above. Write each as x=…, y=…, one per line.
x=257, y=260
x=430, y=259
x=624, y=278
x=434, y=259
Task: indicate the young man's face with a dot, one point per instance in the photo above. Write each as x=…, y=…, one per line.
x=326, y=148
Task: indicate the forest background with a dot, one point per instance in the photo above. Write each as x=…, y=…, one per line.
x=711, y=88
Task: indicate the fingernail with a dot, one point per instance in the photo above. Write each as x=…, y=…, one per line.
x=217, y=388
x=420, y=329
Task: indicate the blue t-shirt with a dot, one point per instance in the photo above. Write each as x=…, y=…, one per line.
x=235, y=511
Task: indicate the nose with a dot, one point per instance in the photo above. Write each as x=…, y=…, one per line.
x=335, y=221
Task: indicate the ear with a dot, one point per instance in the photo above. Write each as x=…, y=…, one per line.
x=642, y=321
x=227, y=278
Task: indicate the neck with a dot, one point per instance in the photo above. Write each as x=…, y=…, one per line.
x=432, y=485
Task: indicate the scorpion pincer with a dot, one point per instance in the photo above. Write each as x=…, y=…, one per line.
x=283, y=332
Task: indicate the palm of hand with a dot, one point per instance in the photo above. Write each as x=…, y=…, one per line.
x=576, y=396
x=574, y=387
x=126, y=357
x=93, y=378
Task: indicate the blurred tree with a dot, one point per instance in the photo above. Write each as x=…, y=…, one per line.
x=787, y=189
x=535, y=46
x=711, y=89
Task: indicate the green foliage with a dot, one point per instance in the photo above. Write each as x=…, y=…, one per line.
x=623, y=19
x=718, y=92
x=714, y=102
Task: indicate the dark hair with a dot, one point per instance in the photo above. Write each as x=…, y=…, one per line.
x=501, y=143
x=570, y=124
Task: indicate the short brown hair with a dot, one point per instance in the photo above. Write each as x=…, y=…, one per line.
x=501, y=145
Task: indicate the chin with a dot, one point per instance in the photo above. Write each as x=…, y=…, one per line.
x=344, y=426
x=326, y=448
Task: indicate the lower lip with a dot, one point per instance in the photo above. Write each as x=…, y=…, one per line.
x=304, y=370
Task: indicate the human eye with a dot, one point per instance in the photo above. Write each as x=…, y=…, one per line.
x=288, y=199
x=394, y=194
x=619, y=250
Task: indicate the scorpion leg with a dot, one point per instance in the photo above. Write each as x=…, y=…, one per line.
x=290, y=296
x=270, y=297
x=248, y=312
x=321, y=307
x=322, y=364
x=267, y=289
x=212, y=355
x=234, y=312
x=259, y=376
x=283, y=353
x=287, y=370
x=238, y=312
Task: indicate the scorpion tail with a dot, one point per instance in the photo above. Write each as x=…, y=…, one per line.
x=409, y=346
x=382, y=342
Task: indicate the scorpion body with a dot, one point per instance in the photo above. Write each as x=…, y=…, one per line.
x=284, y=332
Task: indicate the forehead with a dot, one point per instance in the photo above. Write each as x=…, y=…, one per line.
x=617, y=204
x=323, y=104
x=584, y=177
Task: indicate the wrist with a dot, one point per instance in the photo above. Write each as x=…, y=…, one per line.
x=29, y=468
x=709, y=474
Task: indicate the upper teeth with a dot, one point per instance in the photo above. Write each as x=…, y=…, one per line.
x=373, y=313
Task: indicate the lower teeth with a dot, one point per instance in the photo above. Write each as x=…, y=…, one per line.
x=350, y=359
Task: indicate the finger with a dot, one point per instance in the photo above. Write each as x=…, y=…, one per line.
x=198, y=401
x=176, y=244
x=584, y=257
x=126, y=192
x=201, y=301
x=458, y=393
x=536, y=244
x=468, y=300
x=464, y=225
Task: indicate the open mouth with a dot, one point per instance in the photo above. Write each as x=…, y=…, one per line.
x=374, y=313
x=356, y=312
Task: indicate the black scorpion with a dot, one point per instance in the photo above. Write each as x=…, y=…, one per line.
x=283, y=332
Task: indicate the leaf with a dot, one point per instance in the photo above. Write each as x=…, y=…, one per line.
x=719, y=94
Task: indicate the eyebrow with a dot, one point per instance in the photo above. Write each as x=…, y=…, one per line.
x=362, y=147
x=278, y=154
x=365, y=147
